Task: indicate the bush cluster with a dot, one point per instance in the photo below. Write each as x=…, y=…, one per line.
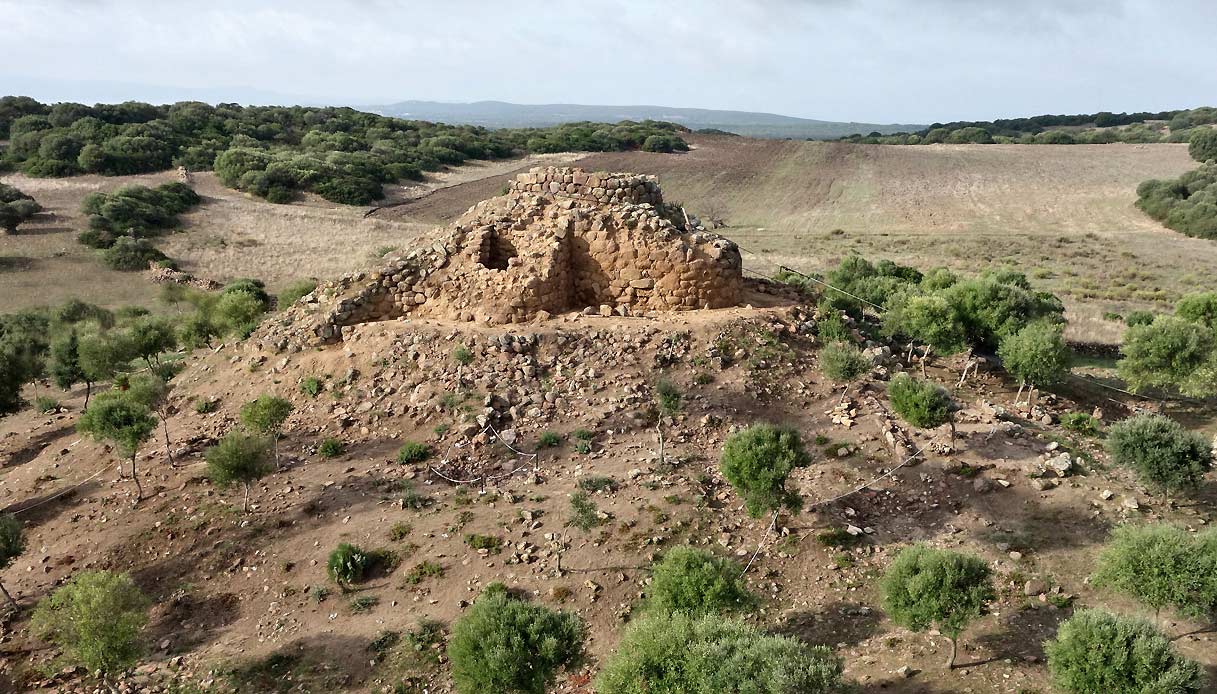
x=757, y=461
x=1095, y=651
x=15, y=208
x=696, y=582
x=1187, y=204
x=1162, y=566
x=96, y=618
x=1174, y=351
x=1161, y=451
x=276, y=152
x=680, y=653
x=923, y=404
x=504, y=645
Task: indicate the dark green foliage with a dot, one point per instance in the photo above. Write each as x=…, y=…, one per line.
x=923, y=404
x=503, y=645
x=120, y=419
x=548, y=439
x=668, y=397
x=1161, y=452
x=1199, y=308
x=239, y=458
x=254, y=289
x=1187, y=204
x=695, y=582
x=462, y=355
x=1036, y=354
x=683, y=654
x=1202, y=145
x=1162, y=566
x=423, y=571
x=136, y=211
x=1082, y=423
x=12, y=544
x=1170, y=352
x=331, y=448
x=490, y=543
x=15, y=208
x=757, y=461
x=842, y=361
x=96, y=618
x=1135, y=318
x=65, y=361
x=1095, y=651
x=311, y=386
x=927, y=587
x=266, y=414
x=664, y=143
x=414, y=452
x=131, y=255
x=148, y=337
x=23, y=347
x=348, y=564
x=598, y=483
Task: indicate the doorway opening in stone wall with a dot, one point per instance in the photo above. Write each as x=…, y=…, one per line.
x=495, y=251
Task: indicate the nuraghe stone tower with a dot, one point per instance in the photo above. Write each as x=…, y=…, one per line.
x=561, y=239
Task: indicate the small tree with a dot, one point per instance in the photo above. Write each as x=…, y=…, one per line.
x=924, y=587
x=65, y=361
x=504, y=645
x=122, y=420
x=149, y=336
x=757, y=461
x=843, y=362
x=266, y=416
x=153, y=392
x=1035, y=355
x=1170, y=352
x=12, y=544
x=1095, y=651
x=923, y=404
x=1161, y=451
x=97, y=619
x=239, y=457
x=673, y=653
x=1162, y=566
x=696, y=582
x=101, y=356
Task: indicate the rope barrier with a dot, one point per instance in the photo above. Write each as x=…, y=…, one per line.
x=486, y=478
x=58, y=494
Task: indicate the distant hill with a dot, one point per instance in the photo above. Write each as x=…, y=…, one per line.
x=499, y=114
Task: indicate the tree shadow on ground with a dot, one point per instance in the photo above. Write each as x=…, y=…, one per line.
x=320, y=663
x=190, y=621
x=903, y=686
x=17, y=263
x=836, y=623
x=36, y=446
x=1021, y=634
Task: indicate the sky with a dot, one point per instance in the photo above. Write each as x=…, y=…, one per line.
x=884, y=61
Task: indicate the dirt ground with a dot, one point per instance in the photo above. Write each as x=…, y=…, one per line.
x=240, y=590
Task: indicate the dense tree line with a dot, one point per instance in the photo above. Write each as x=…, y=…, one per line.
x=276, y=152
x=1187, y=204
x=1082, y=129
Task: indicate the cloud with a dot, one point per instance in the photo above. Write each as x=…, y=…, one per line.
x=887, y=60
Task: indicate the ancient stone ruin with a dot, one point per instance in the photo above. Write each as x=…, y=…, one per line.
x=560, y=240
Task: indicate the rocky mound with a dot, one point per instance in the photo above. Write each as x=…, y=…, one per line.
x=559, y=240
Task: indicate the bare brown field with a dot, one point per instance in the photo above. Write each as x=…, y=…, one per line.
x=1062, y=214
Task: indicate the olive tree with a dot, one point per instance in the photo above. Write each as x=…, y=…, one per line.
x=696, y=582
x=97, y=618
x=101, y=356
x=503, y=645
x=153, y=392
x=757, y=461
x=1095, y=651
x=65, y=361
x=923, y=404
x=1170, y=352
x=239, y=457
x=927, y=587
x=1035, y=355
x=124, y=421
x=1162, y=566
x=12, y=544
x=1161, y=451
x=266, y=416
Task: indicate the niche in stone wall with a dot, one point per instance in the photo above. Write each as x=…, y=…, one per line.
x=495, y=250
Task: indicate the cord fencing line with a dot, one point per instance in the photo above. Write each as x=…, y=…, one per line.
x=58, y=494
x=486, y=478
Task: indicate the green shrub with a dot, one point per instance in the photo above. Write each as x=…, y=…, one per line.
x=1095, y=651
x=584, y=514
x=131, y=254
x=97, y=618
x=1036, y=354
x=1202, y=145
x=414, y=452
x=1162, y=566
x=12, y=544
x=421, y=572
x=462, y=355
x=490, y=543
x=598, y=483
x=549, y=439
x=311, y=386
x=922, y=404
x=842, y=361
x=668, y=397
x=1171, y=352
x=206, y=406
x=266, y=416
x=1082, y=423
x=695, y=582
x=239, y=458
x=682, y=654
x=1161, y=451
x=348, y=564
x=295, y=291
x=927, y=587
x=757, y=461
x=331, y=448
x=504, y=645
x=1135, y=318
x=45, y=405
